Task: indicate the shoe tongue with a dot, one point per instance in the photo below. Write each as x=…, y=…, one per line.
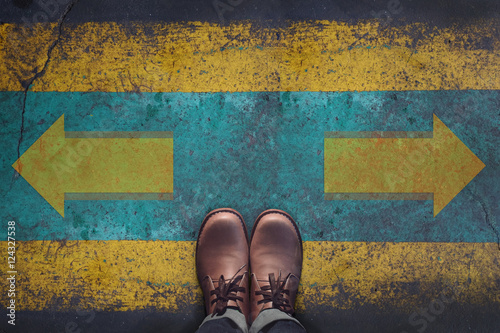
x=275, y=284
x=292, y=283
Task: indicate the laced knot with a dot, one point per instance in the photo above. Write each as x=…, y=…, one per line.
x=275, y=292
x=226, y=291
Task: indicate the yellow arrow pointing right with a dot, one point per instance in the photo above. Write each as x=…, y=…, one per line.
x=400, y=168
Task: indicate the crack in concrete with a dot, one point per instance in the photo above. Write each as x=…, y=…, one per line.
x=487, y=217
x=40, y=73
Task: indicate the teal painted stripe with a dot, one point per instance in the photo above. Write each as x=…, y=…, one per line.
x=253, y=151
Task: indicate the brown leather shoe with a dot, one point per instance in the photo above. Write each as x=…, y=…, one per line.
x=222, y=262
x=275, y=261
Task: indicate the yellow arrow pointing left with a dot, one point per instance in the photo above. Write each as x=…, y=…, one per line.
x=133, y=166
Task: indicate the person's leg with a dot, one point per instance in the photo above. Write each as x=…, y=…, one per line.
x=276, y=321
x=284, y=326
x=222, y=270
x=276, y=261
x=232, y=321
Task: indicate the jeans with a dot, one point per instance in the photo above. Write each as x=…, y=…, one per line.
x=268, y=321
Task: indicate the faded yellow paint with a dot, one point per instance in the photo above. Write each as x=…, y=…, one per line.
x=205, y=57
x=55, y=165
x=442, y=165
x=132, y=275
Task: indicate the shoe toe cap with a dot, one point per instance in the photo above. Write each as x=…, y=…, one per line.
x=222, y=246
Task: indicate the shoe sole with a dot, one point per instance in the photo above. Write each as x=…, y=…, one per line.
x=277, y=211
x=221, y=210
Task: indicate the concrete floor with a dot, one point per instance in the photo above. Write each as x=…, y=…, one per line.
x=249, y=95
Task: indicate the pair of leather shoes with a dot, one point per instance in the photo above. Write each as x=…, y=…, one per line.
x=224, y=258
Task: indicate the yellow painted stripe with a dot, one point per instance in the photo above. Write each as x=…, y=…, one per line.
x=205, y=57
x=131, y=275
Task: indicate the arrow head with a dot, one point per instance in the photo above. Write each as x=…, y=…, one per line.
x=455, y=165
x=42, y=165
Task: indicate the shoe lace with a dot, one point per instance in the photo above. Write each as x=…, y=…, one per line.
x=226, y=291
x=275, y=292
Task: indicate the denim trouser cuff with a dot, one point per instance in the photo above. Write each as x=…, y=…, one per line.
x=237, y=317
x=265, y=318
x=269, y=316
